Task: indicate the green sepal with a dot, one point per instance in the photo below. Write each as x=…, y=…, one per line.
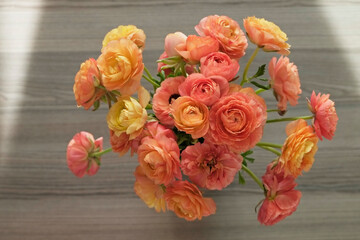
x=96, y=105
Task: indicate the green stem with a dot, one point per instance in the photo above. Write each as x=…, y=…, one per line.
x=148, y=72
x=150, y=80
x=272, y=110
x=244, y=80
x=253, y=176
x=266, y=144
x=108, y=100
x=98, y=154
x=288, y=119
x=260, y=90
x=270, y=149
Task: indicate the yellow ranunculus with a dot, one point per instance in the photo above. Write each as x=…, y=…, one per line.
x=130, y=32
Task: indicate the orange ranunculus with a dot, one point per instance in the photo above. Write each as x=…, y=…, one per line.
x=227, y=32
x=152, y=194
x=121, y=66
x=86, y=84
x=190, y=116
x=266, y=35
x=299, y=149
x=130, y=32
x=186, y=200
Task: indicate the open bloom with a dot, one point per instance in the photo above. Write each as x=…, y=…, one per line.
x=190, y=116
x=325, y=115
x=121, y=66
x=172, y=40
x=266, y=35
x=187, y=202
x=86, y=84
x=281, y=198
x=237, y=120
x=227, y=32
x=219, y=64
x=130, y=32
x=298, y=150
x=210, y=166
x=163, y=98
x=207, y=90
x=285, y=81
x=79, y=151
x=152, y=194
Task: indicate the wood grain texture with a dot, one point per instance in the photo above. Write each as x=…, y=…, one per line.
x=41, y=199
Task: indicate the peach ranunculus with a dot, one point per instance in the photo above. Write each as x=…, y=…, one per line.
x=197, y=47
x=152, y=194
x=210, y=166
x=219, y=64
x=130, y=32
x=285, y=81
x=325, y=115
x=121, y=66
x=190, y=116
x=237, y=120
x=87, y=82
x=163, y=98
x=206, y=90
x=120, y=144
x=266, y=35
x=281, y=200
x=79, y=151
x=227, y=32
x=172, y=40
x=187, y=202
x=128, y=115
x=298, y=149
x=159, y=157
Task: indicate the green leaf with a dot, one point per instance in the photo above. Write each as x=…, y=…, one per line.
x=263, y=79
x=250, y=159
x=260, y=86
x=247, y=153
x=241, y=179
x=260, y=71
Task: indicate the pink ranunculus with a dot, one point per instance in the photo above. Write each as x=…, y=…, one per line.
x=219, y=64
x=79, y=151
x=281, y=198
x=164, y=96
x=207, y=90
x=210, y=166
x=285, y=81
x=237, y=120
x=227, y=32
x=172, y=40
x=325, y=115
x=187, y=202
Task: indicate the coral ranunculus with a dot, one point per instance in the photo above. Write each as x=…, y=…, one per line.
x=121, y=66
x=281, y=198
x=237, y=120
x=186, y=200
x=298, y=150
x=325, y=115
x=266, y=35
x=130, y=32
x=227, y=32
x=219, y=64
x=210, y=166
x=285, y=81
x=79, y=151
x=86, y=84
x=120, y=144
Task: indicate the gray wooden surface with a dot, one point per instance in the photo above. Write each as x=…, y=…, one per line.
x=42, y=44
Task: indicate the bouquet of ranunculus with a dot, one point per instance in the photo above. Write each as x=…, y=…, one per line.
x=197, y=129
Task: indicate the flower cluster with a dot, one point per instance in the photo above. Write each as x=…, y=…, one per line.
x=197, y=129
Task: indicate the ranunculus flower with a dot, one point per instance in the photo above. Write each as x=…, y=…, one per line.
x=161, y=64
x=237, y=120
x=172, y=40
x=266, y=35
x=130, y=32
x=121, y=66
x=207, y=90
x=86, y=84
x=281, y=198
x=120, y=144
x=159, y=158
x=190, y=116
x=210, y=166
x=152, y=194
x=298, y=150
x=227, y=32
x=128, y=115
x=163, y=98
x=325, y=115
x=79, y=151
x=219, y=64
x=187, y=202
x=197, y=47
x=285, y=81
x=233, y=88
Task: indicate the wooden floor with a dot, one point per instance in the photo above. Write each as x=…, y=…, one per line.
x=42, y=44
